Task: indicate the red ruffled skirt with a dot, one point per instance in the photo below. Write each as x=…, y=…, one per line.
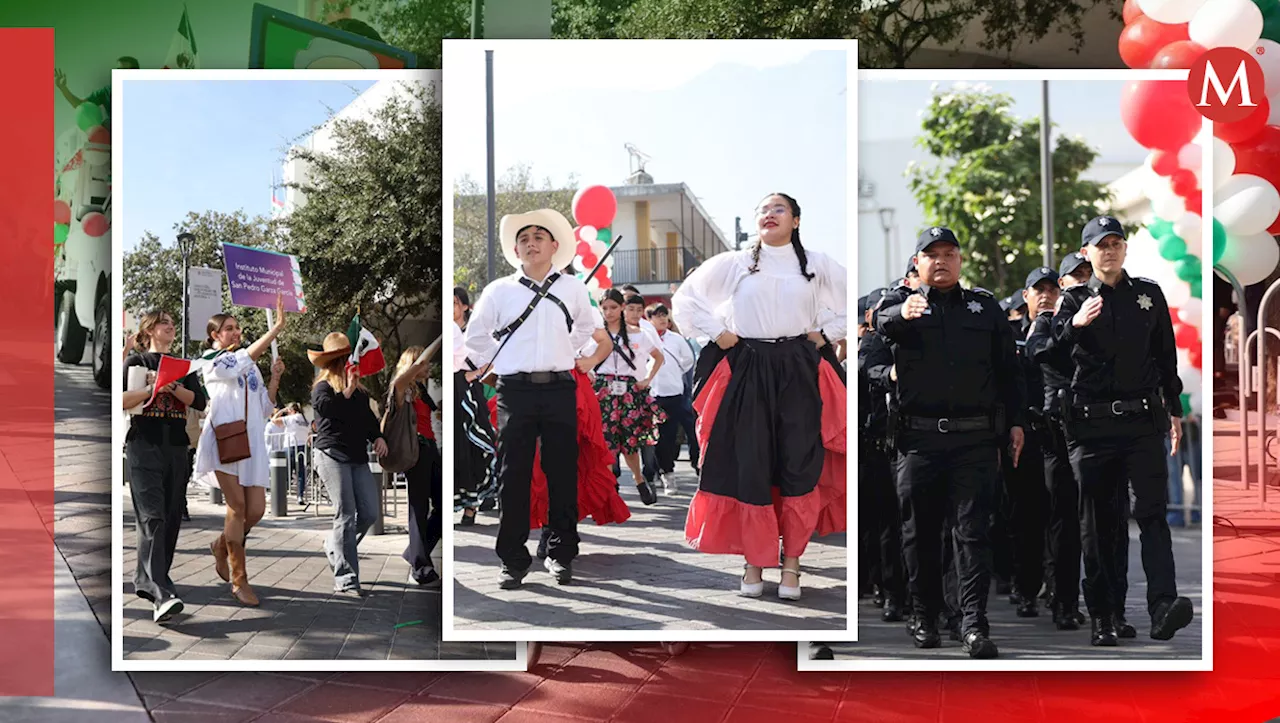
x=773, y=435
x=598, y=496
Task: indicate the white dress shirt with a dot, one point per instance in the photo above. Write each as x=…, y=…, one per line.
x=460, y=348
x=774, y=302
x=542, y=343
x=641, y=344
x=677, y=360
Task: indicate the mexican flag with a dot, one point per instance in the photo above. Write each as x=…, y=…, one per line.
x=366, y=353
x=182, y=49
x=173, y=369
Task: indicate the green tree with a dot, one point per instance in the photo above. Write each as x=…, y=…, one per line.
x=516, y=192
x=890, y=32
x=985, y=185
x=414, y=25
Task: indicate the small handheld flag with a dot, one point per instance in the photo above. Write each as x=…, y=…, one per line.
x=366, y=353
x=173, y=369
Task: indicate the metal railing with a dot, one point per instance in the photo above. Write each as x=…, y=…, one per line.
x=654, y=266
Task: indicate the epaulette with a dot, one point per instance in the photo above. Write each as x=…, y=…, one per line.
x=983, y=292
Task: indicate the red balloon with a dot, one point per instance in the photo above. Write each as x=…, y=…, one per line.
x=1158, y=114
x=589, y=260
x=1173, y=314
x=1144, y=37
x=1186, y=336
x=1179, y=55
x=1243, y=130
x=1165, y=163
x=583, y=248
x=1194, y=203
x=1132, y=11
x=1195, y=356
x=1184, y=182
x=61, y=212
x=95, y=224
x=1260, y=155
x=98, y=134
x=596, y=205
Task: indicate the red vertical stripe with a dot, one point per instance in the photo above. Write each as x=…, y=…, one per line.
x=26, y=363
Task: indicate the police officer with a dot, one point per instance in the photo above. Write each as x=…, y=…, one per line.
x=960, y=397
x=878, y=522
x=1062, y=561
x=1122, y=401
x=911, y=279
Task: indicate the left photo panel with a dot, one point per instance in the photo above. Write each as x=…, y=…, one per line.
x=272, y=344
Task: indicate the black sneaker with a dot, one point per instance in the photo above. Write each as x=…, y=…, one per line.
x=979, y=646
x=1124, y=629
x=647, y=495
x=543, y=539
x=511, y=580
x=562, y=570
x=427, y=577
x=1170, y=617
x=1104, y=633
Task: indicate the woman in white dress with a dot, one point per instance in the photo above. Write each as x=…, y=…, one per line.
x=769, y=397
x=237, y=392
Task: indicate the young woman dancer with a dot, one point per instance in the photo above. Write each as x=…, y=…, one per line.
x=772, y=405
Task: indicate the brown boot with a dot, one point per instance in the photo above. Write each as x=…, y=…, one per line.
x=219, y=549
x=239, y=576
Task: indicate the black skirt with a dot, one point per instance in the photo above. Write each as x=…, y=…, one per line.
x=475, y=476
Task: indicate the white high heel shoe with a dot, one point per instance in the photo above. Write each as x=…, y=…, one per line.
x=786, y=592
x=751, y=589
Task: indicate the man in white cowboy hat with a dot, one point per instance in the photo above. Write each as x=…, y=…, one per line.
x=537, y=318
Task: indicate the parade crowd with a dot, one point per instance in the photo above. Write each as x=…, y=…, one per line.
x=1001, y=440
x=217, y=424
x=558, y=390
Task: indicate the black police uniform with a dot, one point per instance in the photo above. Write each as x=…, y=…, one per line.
x=1124, y=389
x=959, y=394
x=880, y=531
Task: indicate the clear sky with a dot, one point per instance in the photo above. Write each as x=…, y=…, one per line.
x=890, y=109
x=212, y=145
x=733, y=124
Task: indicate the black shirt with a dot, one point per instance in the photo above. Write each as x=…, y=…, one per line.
x=343, y=426
x=165, y=420
x=1032, y=376
x=1127, y=352
x=875, y=359
x=956, y=361
x=1054, y=361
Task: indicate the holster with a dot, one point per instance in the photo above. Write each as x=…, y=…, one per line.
x=1159, y=412
x=894, y=423
x=1068, y=419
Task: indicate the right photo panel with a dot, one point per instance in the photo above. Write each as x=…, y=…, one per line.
x=1030, y=430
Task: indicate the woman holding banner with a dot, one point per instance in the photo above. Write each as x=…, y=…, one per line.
x=156, y=452
x=239, y=403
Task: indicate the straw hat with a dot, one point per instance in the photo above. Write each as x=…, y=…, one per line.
x=553, y=221
x=335, y=345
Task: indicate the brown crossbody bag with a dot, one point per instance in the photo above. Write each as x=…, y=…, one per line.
x=233, y=437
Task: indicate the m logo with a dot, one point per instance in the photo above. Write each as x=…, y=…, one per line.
x=1225, y=83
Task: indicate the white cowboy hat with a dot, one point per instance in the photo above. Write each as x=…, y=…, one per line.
x=553, y=221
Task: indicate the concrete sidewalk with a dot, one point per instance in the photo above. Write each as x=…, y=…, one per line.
x=640, y=575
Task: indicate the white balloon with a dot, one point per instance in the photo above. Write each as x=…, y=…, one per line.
x=1224, y=160
x=1155, y=186
x=1196, y=397
x=1189, y=228
x=1172, y=12
x=1189, y=157
x=1227, y=24
x=1189, y=312
x=1267, y=53
x=587, y=233
x=1246, y=204
x=1176, y=292
x=1190, y=377
x=598, y=247
x=1274, y=118
x=1170, y=206
x=1250, y=258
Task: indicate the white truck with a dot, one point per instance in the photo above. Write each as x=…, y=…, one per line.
x=82, y=272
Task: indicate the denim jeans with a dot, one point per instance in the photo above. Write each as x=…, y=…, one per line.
x=354, y=493
x=1189, y=455
x=300, y=468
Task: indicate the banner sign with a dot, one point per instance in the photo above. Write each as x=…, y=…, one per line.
x=256, y=276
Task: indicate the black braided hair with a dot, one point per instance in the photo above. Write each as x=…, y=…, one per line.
x=460, y=293
x=616, y=297
x=795, y=242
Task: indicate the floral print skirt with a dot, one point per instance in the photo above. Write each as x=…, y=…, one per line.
x=631, y=418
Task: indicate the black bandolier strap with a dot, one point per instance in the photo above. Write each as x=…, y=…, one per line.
x=617, y=349
x=539, y=293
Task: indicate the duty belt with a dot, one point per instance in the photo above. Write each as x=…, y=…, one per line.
x=947, y=425
x=538, y=377
x=1116, y=408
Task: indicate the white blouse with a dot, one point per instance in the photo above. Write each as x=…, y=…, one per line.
x=641, y=343
x=774, y=302
x=459, y=349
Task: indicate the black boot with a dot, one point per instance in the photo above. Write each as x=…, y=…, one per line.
x=1028, y=608
x=953, y=627
x=821, y=651
x=877, y=596
x=892, y=611
x=647, y=495
x=978, y=646
x=1124, y=629
x=1104, y=632
x=926, y=634
x=1064, y=617
x=1170, y=617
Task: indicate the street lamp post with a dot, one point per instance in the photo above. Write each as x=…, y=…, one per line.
x=186, y=242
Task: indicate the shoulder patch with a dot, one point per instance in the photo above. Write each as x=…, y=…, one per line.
x=982, y=292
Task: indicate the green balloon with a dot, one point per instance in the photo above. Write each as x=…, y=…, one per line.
x=88, y=115
x=1188, y=268
x=1270, y=21
x=1195, y=289
x=1219, y=240
x=604, y=235
x=1186, y=402
x=1160, y=227
x=60, y=231
x=1171, y=247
